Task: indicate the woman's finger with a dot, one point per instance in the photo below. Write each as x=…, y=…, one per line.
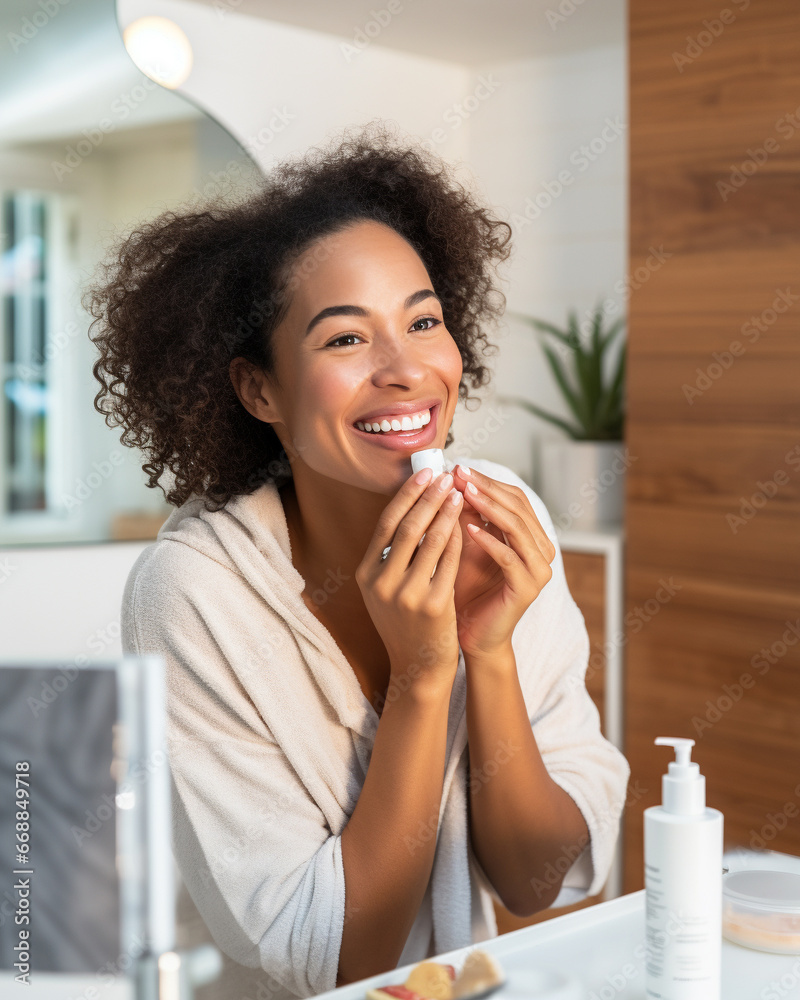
x=444, y=578
x=394, y=512
x=507, y=497
x=437, y=536
x=515, y=570
x=516, y=529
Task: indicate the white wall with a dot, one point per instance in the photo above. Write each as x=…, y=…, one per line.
x=62, y=602
x=569, y=234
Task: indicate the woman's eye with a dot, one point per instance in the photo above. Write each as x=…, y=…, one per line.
x=422, y=319
x=344, y=336
x=427, y=319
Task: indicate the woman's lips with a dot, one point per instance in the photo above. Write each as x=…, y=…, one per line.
x=406, y=440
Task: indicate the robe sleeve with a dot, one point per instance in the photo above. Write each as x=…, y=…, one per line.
x=551, y=648
x=254, y=849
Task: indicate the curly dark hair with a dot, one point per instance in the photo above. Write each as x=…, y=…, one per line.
x=184, y=294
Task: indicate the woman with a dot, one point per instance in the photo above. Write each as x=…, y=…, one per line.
x=365, y=751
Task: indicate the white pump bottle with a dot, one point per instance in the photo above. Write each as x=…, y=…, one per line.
x=683, y=884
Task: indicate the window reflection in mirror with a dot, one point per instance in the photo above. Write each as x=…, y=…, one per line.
x=89, y=147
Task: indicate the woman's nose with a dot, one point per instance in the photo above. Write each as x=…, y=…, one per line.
x=396, y=358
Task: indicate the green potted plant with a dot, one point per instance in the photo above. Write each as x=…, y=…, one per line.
x=581, y=478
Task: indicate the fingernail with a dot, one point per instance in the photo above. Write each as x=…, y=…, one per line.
x=471, y=488
x=463, y=470
x=423, y=476
x=455, y=497
x=446, y=482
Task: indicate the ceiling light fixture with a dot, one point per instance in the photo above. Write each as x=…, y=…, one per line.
x=160, y=50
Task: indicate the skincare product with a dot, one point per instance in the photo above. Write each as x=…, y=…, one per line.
x=683, y=884
x=429, y=458
x=761, y=909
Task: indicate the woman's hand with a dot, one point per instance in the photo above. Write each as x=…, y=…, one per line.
x=411, y=606
x=503, y=567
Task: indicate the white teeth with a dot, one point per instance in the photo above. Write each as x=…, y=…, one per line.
x=407, y=423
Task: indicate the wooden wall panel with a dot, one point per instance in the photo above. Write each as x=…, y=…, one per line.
x=585, y=572
x=719, y=659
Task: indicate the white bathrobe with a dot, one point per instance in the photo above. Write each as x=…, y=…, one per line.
x=270, y=735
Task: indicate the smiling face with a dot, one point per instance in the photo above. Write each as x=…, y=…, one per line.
x=363, y=333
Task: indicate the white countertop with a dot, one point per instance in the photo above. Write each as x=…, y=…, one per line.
x=603, y=947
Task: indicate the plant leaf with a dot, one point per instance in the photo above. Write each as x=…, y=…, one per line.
x=583, y=370
x=594, y=366
x=612, y=332
x=574, y=329
x=573, y=432
x=611, y=410
x=554, y=330
x=572, y=398
x=597, y=323
x=616, y=384
x=597, y=359
x=597, y=407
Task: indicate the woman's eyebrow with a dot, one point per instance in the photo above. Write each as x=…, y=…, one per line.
x=412, y=300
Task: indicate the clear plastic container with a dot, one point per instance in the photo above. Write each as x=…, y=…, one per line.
x=761, y=910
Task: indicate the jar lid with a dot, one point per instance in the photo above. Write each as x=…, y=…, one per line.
x=777, y=892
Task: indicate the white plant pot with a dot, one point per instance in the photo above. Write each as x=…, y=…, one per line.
x=582, y=483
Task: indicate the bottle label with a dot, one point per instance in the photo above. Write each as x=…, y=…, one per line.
x=683, y=910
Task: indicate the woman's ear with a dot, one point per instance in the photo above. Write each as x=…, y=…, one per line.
x=252, y=387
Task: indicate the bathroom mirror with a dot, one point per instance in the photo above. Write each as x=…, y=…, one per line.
x=89, y=147
x=527, y=100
